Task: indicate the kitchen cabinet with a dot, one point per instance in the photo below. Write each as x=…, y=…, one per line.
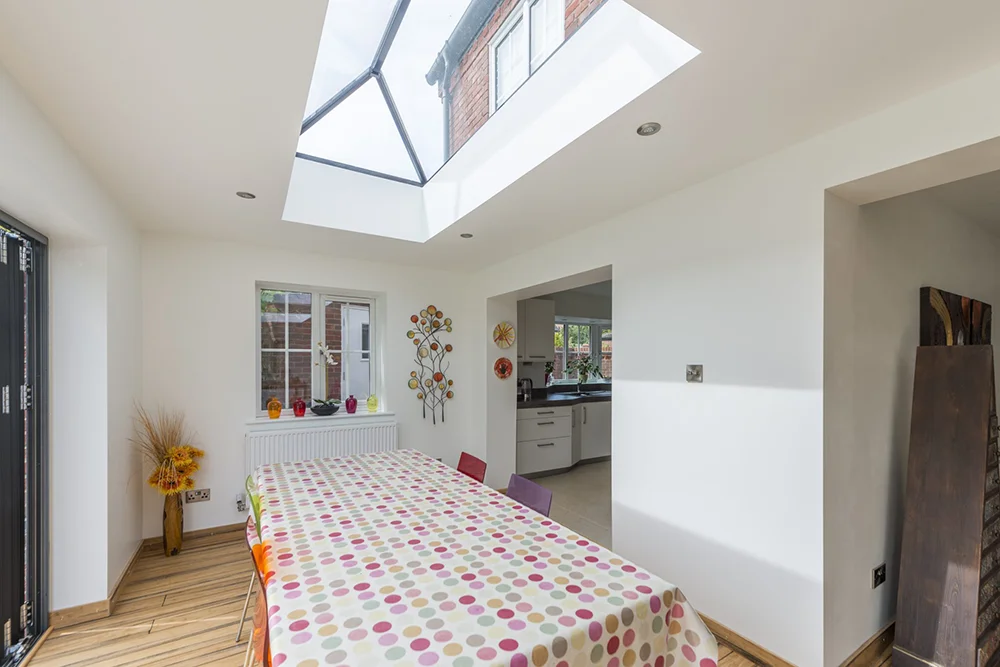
x=595, y=430
x=536, y=323
x=577, y=424
x=544, y=439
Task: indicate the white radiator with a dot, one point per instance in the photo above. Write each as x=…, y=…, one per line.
x=278, y=445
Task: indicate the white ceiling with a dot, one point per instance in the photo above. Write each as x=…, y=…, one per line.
x=976, y=199
x=177, y=104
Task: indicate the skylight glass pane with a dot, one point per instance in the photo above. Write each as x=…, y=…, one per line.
x=352, y=31
x=360, y=132
x=426, y=27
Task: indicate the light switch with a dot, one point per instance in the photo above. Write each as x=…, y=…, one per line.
x=694, y=373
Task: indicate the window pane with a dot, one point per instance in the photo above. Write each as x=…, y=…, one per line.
x=272, y=320
x=334, y=315
x=272, y=378
x=606, y=353
x=357, y=322
x=426, y=28
x=299, y=321
x=511, y=61
x=560, y=352
x=358, y=374
x=547, y=29
x=335, y=379
x=352, y=31
x=299, y=376
x=360, y=132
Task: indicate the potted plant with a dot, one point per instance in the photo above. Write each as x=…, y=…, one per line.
x=165, y=441
x=550, y=368
x=585, y=368
x=322, y=408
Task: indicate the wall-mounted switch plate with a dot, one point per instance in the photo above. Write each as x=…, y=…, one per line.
x=197, y=495
x=878, y=576
x=695, y=373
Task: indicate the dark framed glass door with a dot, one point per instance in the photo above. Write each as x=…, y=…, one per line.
x=23, y=529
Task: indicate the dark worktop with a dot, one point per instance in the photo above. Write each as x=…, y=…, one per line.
x=554, y=399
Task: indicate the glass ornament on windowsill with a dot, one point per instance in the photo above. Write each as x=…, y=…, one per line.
x=372, y=403
x=274, y=408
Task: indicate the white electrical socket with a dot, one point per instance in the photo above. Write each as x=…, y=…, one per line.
x=241, y=503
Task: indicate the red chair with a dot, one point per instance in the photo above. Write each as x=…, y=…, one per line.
x=471, y=466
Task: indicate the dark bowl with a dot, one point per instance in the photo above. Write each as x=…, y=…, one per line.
x=324, y=410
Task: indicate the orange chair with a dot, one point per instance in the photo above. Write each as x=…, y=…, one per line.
x=472, y=466
x=258, y=646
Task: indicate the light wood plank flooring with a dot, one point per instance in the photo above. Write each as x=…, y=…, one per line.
x=178, y=611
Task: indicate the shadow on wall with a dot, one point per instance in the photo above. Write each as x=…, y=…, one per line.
x=774, y=607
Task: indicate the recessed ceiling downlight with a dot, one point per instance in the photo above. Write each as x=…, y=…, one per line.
x=246, y=195
x=648, y=129
x=466, y=235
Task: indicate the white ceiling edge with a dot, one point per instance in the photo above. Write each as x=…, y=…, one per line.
x=326, y=196
x=615, y=57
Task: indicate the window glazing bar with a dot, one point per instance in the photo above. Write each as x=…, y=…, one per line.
x=331, y=103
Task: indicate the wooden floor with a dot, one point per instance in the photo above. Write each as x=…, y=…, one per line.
x=178, y=611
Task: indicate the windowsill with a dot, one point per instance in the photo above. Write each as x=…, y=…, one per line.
x=313, y=421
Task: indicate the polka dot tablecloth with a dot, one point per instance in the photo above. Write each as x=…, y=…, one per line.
x=396, y=559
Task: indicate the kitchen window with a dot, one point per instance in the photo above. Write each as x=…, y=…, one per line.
x=529, y=35
x=575, y=339
x=292, y=322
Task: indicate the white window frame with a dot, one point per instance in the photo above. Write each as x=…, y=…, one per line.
x=520, y=12
x=318, y=315
x=595, y=335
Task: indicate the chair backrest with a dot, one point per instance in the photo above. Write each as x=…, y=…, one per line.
x=526, y=492
x=472, y=466
x=254, y=499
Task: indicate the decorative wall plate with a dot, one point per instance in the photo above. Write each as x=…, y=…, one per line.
x=503, y=368
x=503, y=335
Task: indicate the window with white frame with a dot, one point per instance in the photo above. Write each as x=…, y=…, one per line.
x=576, y=339
x=529, y=35
x=292, y=323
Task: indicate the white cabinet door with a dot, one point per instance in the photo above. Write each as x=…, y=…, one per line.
x=540, y=322
x=519, y=332
x=577, y=422
x=595, y=434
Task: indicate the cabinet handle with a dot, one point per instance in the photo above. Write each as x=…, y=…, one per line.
x=536, y=356
x=546, y=423
x=585, y=414
x=546, y=444
x=547, y=412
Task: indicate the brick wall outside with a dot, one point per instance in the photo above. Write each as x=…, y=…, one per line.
x=470, y=85
x=334, y=337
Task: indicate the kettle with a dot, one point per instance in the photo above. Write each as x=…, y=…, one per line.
x=525, y=387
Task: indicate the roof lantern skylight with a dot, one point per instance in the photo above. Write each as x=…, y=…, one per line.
x=399, y=85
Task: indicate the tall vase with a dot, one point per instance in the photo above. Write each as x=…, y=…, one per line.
x=173, y=524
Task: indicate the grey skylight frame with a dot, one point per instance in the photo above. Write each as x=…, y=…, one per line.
x=478, y=11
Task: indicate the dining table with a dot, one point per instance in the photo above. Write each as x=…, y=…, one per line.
x=394, y=558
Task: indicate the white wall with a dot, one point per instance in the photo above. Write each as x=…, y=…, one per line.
x=94, y=350
x=199, y=331
x=885, y=253
x=719, y=487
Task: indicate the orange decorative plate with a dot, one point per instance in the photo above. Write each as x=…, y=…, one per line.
x=503, y=368
x=503, y=335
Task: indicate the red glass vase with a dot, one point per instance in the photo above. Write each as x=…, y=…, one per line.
x=299, y=407
x=351, y=404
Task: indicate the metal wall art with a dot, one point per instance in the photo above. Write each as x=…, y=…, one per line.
x=430, y=380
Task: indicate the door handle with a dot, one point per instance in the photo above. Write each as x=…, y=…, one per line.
x=585, y=414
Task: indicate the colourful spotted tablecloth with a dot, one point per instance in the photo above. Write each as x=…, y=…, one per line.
x=396, y=559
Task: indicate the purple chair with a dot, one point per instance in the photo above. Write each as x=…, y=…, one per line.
x=526, y=492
